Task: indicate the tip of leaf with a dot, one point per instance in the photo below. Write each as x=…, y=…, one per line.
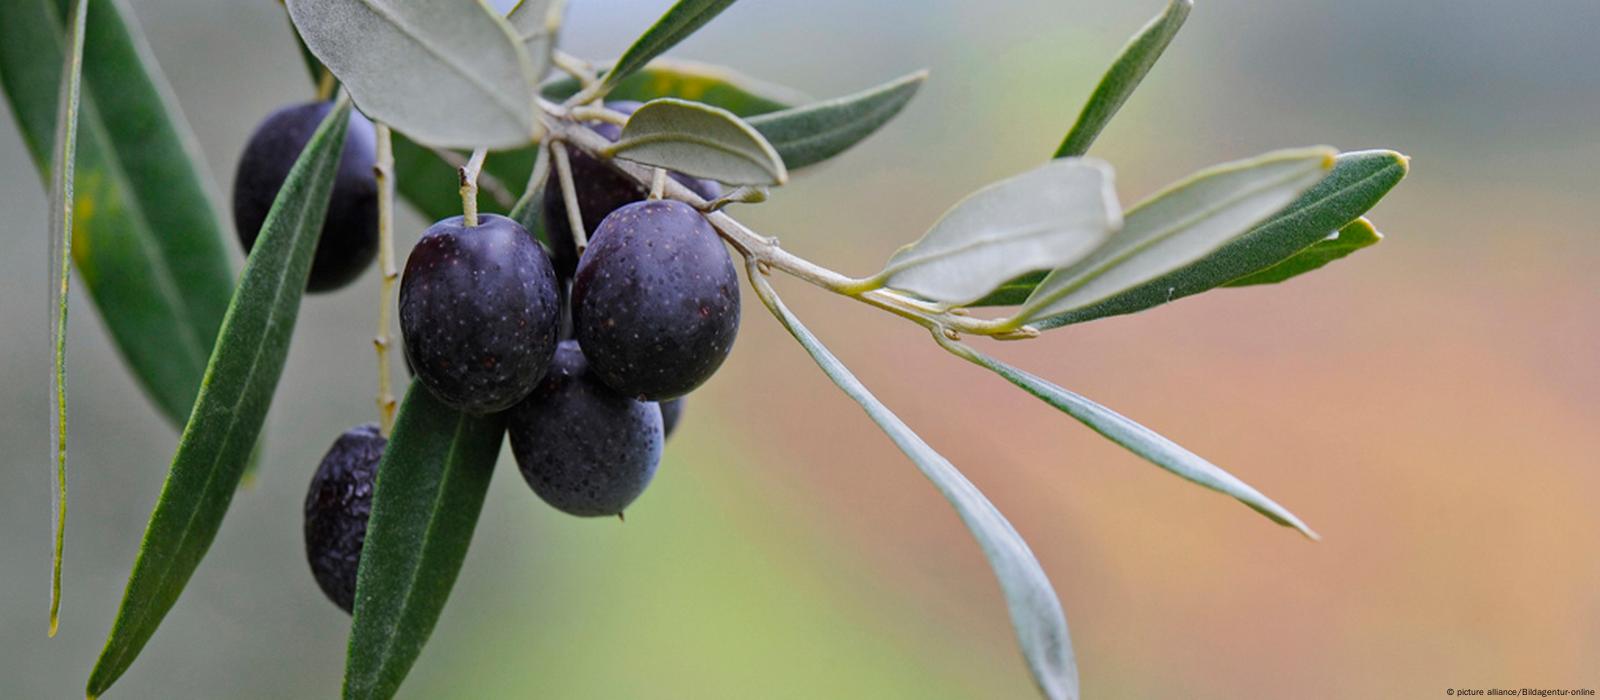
x=55, y=624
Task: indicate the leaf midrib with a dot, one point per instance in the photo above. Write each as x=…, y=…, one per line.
x=451, y=464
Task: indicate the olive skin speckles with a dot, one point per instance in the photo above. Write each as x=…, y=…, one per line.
x=349, y=239
x=583, y=448
x=601, y=189
x=655, y=300
x=337, y=507
x=479, y=313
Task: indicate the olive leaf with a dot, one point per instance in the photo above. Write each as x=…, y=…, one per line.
x=700, y=140
x=536, y=23
x=1352, y=237
x=148, y=243
x=235, y=395
x=448, y=73
x=1138, y=439
x=816, y=132
x=429, y=491
x=1124, y=75
x=1178, y=226
x=1357, y=182
x=685, y=17
x=718, y=86
x=1043, y=218
x=1036, y=614
x=61, y=206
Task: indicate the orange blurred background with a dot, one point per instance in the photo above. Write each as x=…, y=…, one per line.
x=1429, y=406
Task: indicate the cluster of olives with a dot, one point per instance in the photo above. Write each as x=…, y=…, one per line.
x=588, y=353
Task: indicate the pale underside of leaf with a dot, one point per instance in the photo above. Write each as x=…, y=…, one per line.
x=1180, y=225
x=699, y=140
x=1036, y=614
x=447, y=73
x=1041, y=219
x=536, y=23
x=61, y=211
x=811, y=134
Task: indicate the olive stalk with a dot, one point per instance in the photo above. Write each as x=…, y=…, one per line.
x=469, y=187
x=569, y=195
x=383, y=172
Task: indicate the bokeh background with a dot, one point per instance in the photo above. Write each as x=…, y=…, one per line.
x=1430, y=406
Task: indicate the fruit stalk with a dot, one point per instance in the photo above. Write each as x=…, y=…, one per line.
x=569, y=193
x=469, y=186
x=383, y=171
x=764, y=251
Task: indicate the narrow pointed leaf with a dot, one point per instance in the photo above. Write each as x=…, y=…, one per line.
x=429, y=492
x=61, y=201
x=535, y=23
x=239, y=382
x=1125, y=74
x=1044, y=218
x=447, y=73
x=811, y=134
x=1354, y=236
x=1136, y=438
x=1036, y=614
x=684, y=18
x=148, y=243
x=700, y=140
x=718, y=86
x=1356, y=184
x=1180, y=225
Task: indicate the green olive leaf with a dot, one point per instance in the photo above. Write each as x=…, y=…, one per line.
x=536, y=23
x=1178, y=226
x=447, y=73
x=1044, y=218
x=699, y=140
x=1352, y=237
x=234, y=397
x=147, y=240
x=1357, y=183
x=816, y=132
x=1138, y=439
x=685, y=17
x=430, y=487
x=718, y=86
x=1036, y=614
x=63, y=161
x=1124, y=75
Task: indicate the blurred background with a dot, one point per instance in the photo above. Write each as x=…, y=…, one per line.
x=1429, y=406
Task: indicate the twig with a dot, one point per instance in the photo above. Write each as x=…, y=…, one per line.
x=383, y=171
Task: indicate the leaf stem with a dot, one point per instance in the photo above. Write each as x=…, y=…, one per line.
x=569, y=195
x=383, y=171
x=469, y=187
x=576, y=67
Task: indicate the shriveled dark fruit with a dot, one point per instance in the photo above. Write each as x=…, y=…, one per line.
x=671, y=411
x=655, y=300
x=337, y=507
x=479, y=311
x=350, y=230
x=585, y=449
x=601, y=189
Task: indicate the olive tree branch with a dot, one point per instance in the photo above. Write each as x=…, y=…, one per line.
x=765, y=251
